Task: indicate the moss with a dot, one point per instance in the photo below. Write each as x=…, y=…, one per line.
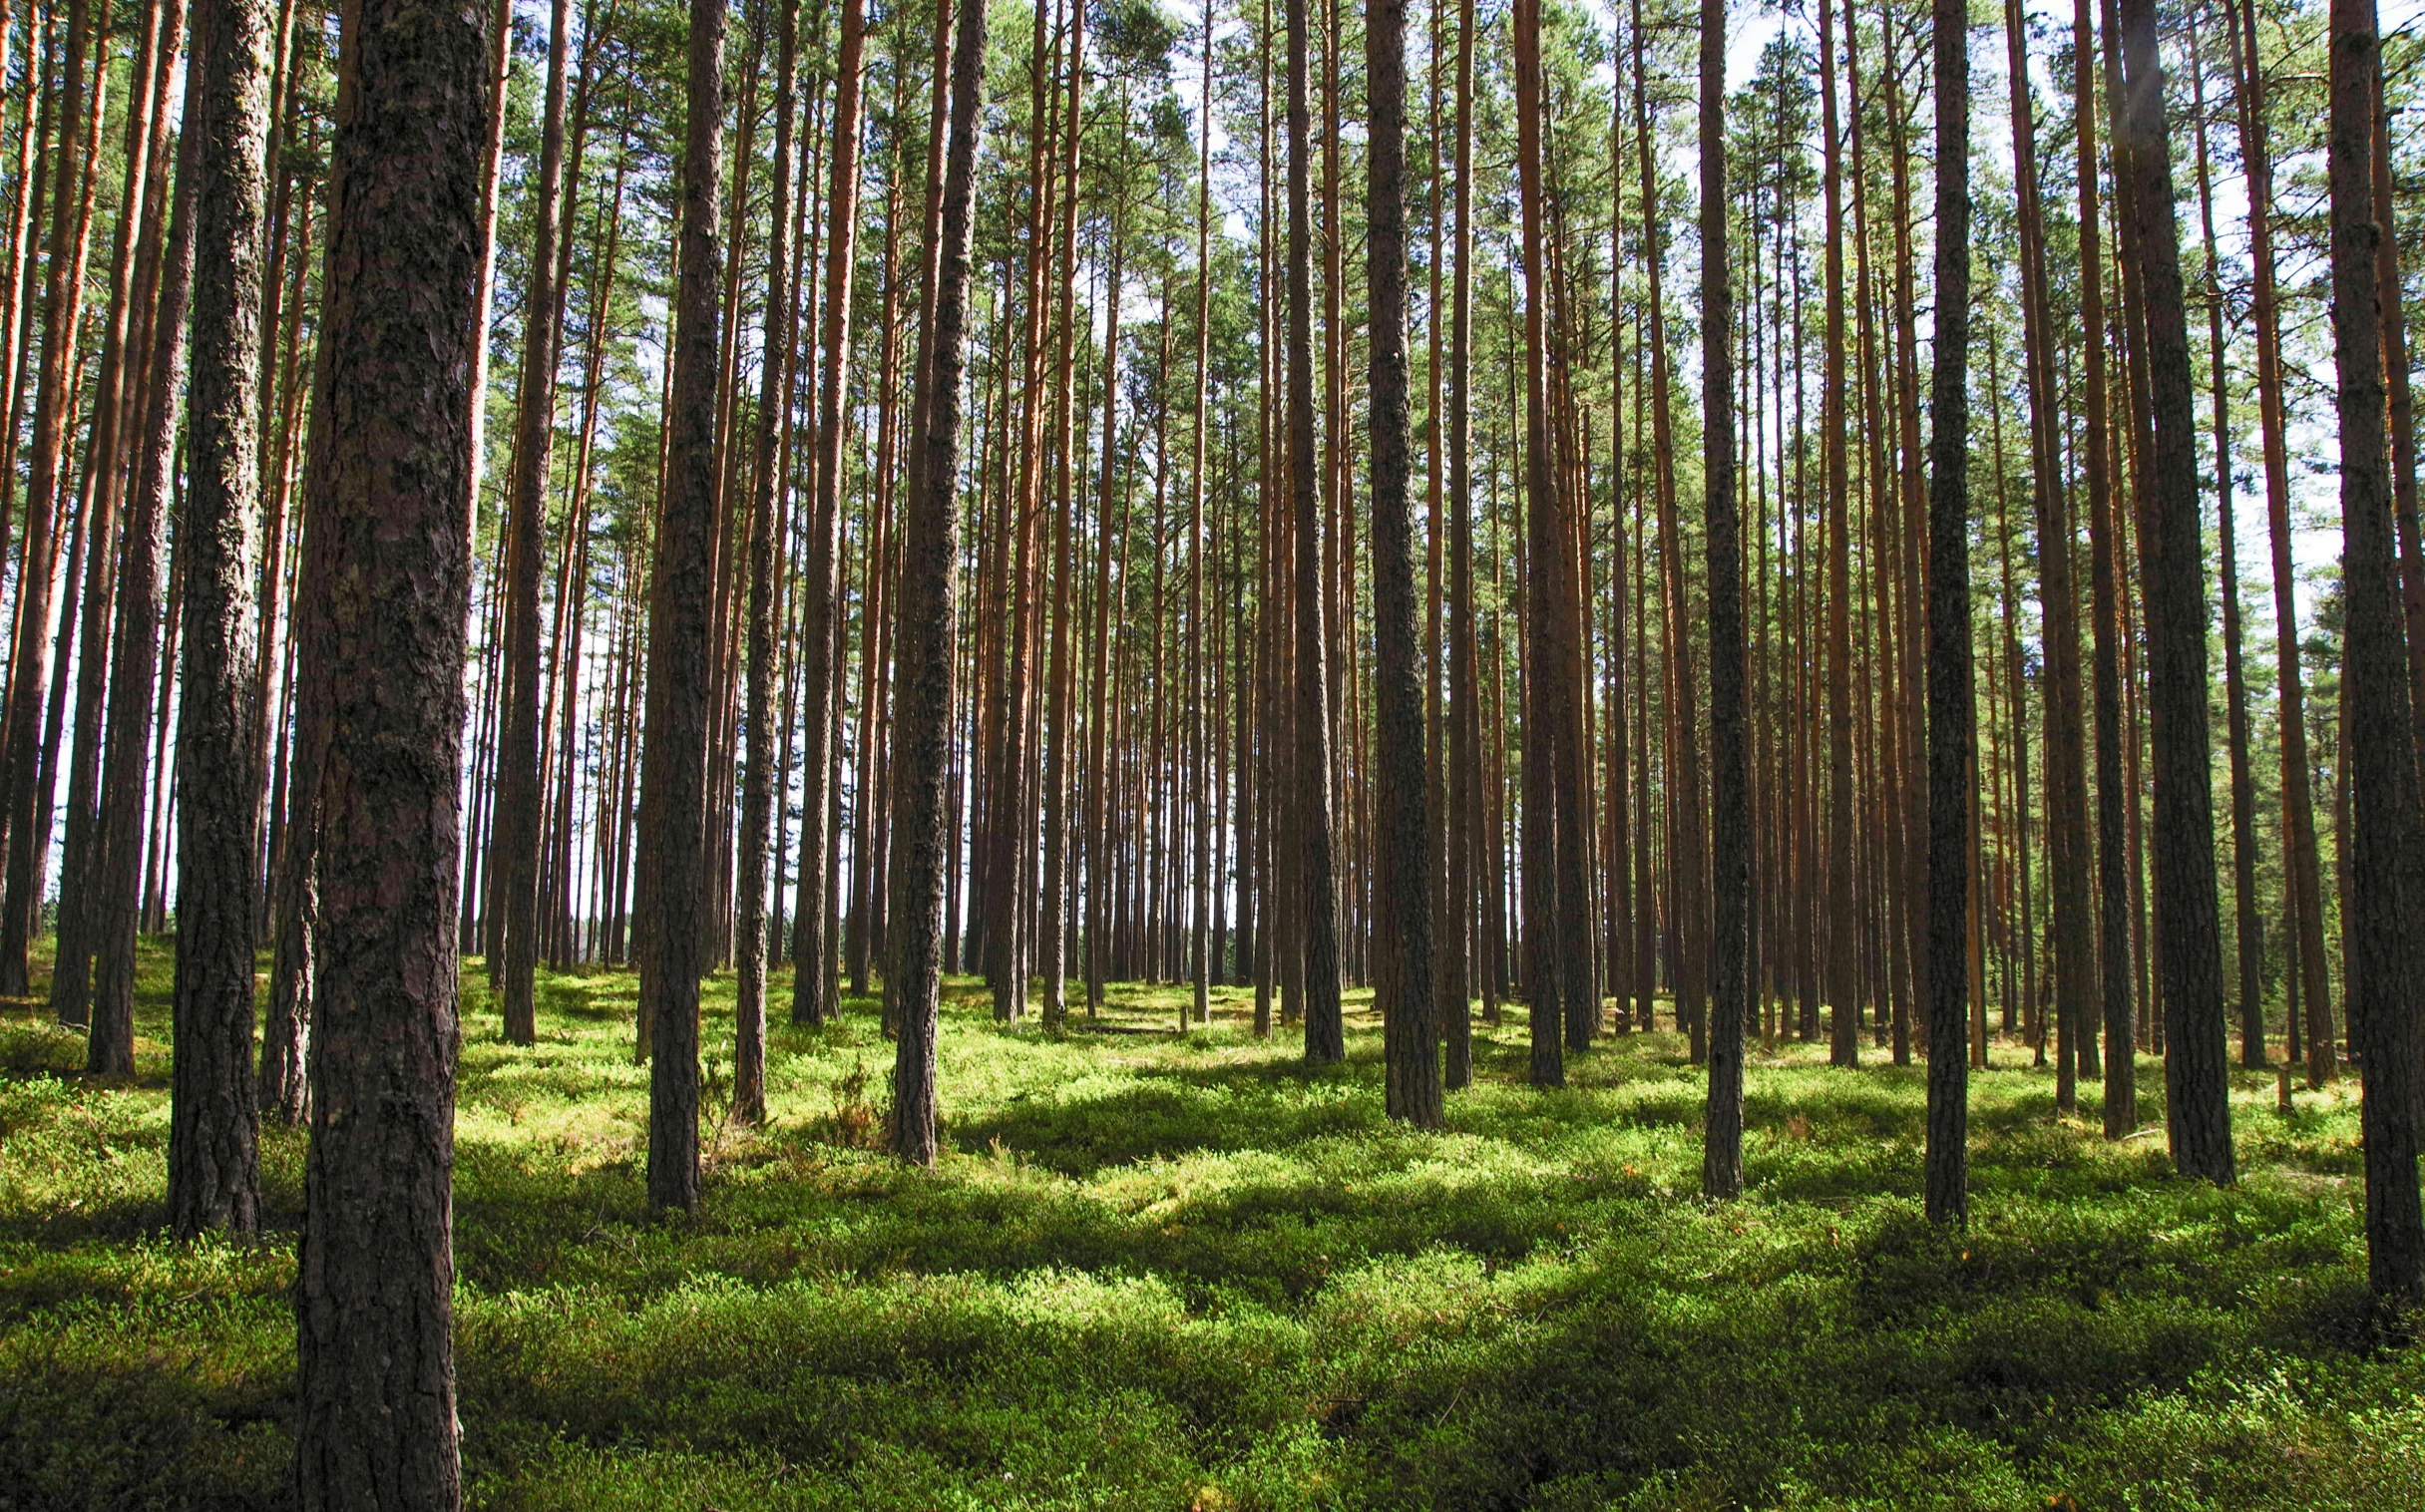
x=1165, y=1270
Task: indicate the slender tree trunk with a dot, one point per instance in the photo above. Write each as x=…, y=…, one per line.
x=21, y=737
x=2303, y=874
x=1464, y=718
x=135, y=648
x=515, y=854
x=1730, y=793
x=2112, y=881
x=213, y=1163
x=672, y=764
x=1952, y=725
x=1325, y=1030
x=758, y=776
x=2188, y=934
x=136, y=249
x=813, y=993
x=1412, y=1029
x=930, y=632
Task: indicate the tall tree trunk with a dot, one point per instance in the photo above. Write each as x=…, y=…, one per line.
x=1412, y=1029
x=1730, y=775
x=2303, y=874
x=1464, y=719
x=2113, y=881
x=1843, y=1037
x=1545, y=707
x=2248, y=921
x=1952, y=725
x=135, y=648
x=135, y=252
x=389, y=554
x=515, y=854
x=21, y=737
x=1053, y=927
x=673, y=762
x=1325, y=1029
x=2385, y=964
x=758, y=776
x=2188, y=935
x=929, y=632
x=213, y=1163
x=814, y=993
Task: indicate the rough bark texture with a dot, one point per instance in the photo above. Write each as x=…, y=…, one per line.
x=1952, y=727
x=2189, y=945
x=1404, y=818
x=214, y=1164
x=2113, y=885
x=22, y=745
x=929, y=636
x=514, y=853
x=375, y=1386
x=1729, y=772
x=1465, y=725
x=757, y=774
x=673, y=762
x=1325, y=1030
x=134, y=653
x=1544, y=703
x=2386, y=964
x=812, y=948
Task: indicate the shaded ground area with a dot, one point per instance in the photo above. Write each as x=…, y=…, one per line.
x=1173, y=1270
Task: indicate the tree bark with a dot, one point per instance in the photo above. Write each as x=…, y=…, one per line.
x=813, y=990
x=514, y=855
x=929, y=636
x=1411, y=1028
x=136, y=648
x=214, y=1162
x=1952, y=725
x=758, y=776
x=2385, y=962
x=387, y=527
x=2188, y=934
x=1325, y=1029
x=1731, y=794
x=674, y=760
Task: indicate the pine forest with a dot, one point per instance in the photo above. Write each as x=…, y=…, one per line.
x=1211, y=754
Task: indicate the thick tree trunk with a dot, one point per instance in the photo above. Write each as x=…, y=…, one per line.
x=930, y=632
x=2385, y=964
x=389, y=554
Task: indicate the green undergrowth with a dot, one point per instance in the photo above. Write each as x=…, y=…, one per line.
x=1183, y=1270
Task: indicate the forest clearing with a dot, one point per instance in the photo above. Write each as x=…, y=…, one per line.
x=1167, y=1270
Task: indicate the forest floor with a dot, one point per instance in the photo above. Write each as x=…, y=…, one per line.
x=1182, y=1271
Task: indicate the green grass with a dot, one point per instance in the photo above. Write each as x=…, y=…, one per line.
x=1174, y=1272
